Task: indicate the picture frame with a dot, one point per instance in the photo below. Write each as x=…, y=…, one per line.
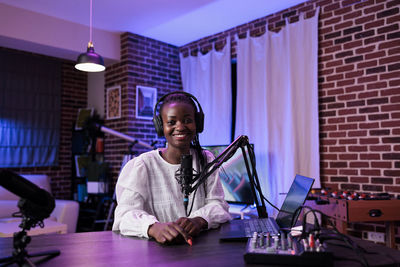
x=81, y=165
x=146, y=99
x=83, y=115
x=113, y=102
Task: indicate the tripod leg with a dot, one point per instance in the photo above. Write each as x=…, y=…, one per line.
x=48, y=255
x=7, y=261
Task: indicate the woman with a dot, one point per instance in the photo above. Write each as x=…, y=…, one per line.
x=149, y=197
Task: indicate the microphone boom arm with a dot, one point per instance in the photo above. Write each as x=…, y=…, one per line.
x=123, y=136
x=241, y=142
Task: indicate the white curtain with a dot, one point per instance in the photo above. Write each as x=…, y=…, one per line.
x=277, y=104
x=208, y=78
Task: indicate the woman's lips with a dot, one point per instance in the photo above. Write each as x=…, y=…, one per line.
x=180, y=136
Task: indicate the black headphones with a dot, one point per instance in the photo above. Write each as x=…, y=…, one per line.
x=199, y=115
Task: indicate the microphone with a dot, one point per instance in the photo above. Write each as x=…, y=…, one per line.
x=185, y=174
x=35, y=202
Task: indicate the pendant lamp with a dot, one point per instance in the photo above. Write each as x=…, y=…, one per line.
x=90, y=61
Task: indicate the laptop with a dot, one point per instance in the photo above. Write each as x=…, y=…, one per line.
x=241, y=230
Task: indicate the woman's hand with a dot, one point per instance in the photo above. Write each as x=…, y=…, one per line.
x=165, y=233
x=192, y=226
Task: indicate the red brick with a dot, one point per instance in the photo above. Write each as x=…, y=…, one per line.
x=359, y=180
x=368, y=94
x=380, y=148
x=367, y=49
x=356, y=118
x=355, y=88
x=395, y=99
x=381, y=164
x=366, y=64
x=357, y=148
x=351, y=45
x=346, y=82
x=388, y=92
x=370, y=156
x=333, y=49
x=343, y=25
x=354, y=74
x=337, y=149
x=389, y=44
x=359, y=164
x=378, y=54
x=378, y=85
x=374, y=9
x=386, y=108
x=391, y=124
x=353, y=15
x=348, y=141
x=371, y=172
x=343, y=127
x=369, y=141
x=336, y=92
x=336, y=120
x=374, y=24
x=365, y=19
x=394, y=83
x=347, y=111
x=348, y=156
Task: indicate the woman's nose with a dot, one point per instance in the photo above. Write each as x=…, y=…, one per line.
x=180, y=125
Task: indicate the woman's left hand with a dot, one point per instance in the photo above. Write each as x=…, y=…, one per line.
x=192, y=226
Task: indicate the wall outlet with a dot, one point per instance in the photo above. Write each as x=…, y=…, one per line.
x=376, y=237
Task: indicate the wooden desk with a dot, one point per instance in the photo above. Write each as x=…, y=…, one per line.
x=348, y=211
x=111, y=249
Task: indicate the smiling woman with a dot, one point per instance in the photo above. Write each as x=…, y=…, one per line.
x=151, y=201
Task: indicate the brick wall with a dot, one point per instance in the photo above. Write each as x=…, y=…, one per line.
x=359, y=90
x=73, y=97
x=144, y=62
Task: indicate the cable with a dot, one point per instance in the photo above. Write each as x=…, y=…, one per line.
x=335, y=235
x=251, y=153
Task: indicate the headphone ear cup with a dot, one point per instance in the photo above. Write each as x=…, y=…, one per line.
x=199, y=122
x=157, y=121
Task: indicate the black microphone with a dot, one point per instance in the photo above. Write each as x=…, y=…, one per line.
x=35, y=202
x=186, y=172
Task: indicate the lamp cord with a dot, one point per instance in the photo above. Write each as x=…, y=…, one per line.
x=90, y=23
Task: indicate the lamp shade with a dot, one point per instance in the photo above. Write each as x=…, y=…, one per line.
x=90, y=61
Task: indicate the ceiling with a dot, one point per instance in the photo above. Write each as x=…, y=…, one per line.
x=177, y=22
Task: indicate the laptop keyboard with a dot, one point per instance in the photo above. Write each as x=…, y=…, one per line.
x=263, y=225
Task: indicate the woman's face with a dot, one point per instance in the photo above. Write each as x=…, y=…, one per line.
x=179, y=124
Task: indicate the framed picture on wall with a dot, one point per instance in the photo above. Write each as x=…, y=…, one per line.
x=81, y=165
x=146, y=98
x=83, y=115
x=113, y=102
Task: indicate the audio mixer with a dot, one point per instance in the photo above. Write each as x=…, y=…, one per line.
x=286, y=250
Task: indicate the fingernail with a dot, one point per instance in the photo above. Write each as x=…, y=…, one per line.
x=189, y=241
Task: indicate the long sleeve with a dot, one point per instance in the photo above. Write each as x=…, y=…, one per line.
x=130, y=215
x=148, y=192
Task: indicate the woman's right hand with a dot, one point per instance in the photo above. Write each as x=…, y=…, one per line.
x=166, y=233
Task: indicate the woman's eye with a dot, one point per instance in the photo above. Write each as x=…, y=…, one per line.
x=170, y=122
x=188, y=120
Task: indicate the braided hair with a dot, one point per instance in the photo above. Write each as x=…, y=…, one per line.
x=183, y=98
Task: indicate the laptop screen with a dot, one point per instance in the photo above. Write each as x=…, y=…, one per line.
x=295, y=198
x=234, y=177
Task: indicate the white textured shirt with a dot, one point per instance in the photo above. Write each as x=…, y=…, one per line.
x=147, y=192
